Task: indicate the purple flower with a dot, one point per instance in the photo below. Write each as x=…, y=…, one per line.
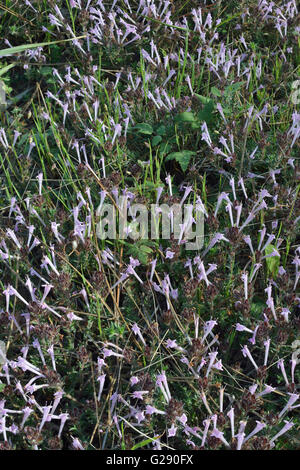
x=136, y=330
x=139, y=394
x=288, y=425
x=219, y=435
x=172, y=431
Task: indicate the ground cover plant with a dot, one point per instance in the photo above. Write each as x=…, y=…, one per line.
x=125, y=343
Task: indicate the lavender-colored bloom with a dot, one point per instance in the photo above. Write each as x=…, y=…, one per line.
x=139, y=394
x=136, y=330
x=288, y=425
x=259, y=426
x=246, y=353
x=219, y=435
x=172, y=431
x=240, y=327
x=293, y=398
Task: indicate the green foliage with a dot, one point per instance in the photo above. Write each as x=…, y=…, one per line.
x=144, y=128
x=157, y=143
x=183, y=158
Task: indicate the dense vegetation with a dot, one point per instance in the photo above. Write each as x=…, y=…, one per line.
x=123, y=343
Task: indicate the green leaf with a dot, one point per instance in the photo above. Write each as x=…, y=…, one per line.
x=215, y=91
x=24, y=47
x=272, y=262
x=187, y=116
x=233, y=88
x=140, y=251
x=203, y=99
x=146, y=249
x=156, y=140
x=143, y=443
x=144, y=128
x=161, y=130
x=206, y=113
x=3, y=102
x=46, y=71
x=183, y=158
x=3, y=70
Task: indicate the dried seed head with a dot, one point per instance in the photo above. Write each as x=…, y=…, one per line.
x=260, y=443
x=197, y=350
x=188, y=314
x=55, y=443
x=174, y=409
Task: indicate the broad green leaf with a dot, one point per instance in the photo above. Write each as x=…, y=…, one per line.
x=161, y=130
x=140, y=252
x=144, y=128
x=187, y=116
x=203, y=99
x=146, y=249
x=206, y=113
x=46, y=71
x=156, y=140
x=215, y=91
x=183, y=158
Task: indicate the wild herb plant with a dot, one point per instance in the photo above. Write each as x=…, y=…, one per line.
x=122, y=343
